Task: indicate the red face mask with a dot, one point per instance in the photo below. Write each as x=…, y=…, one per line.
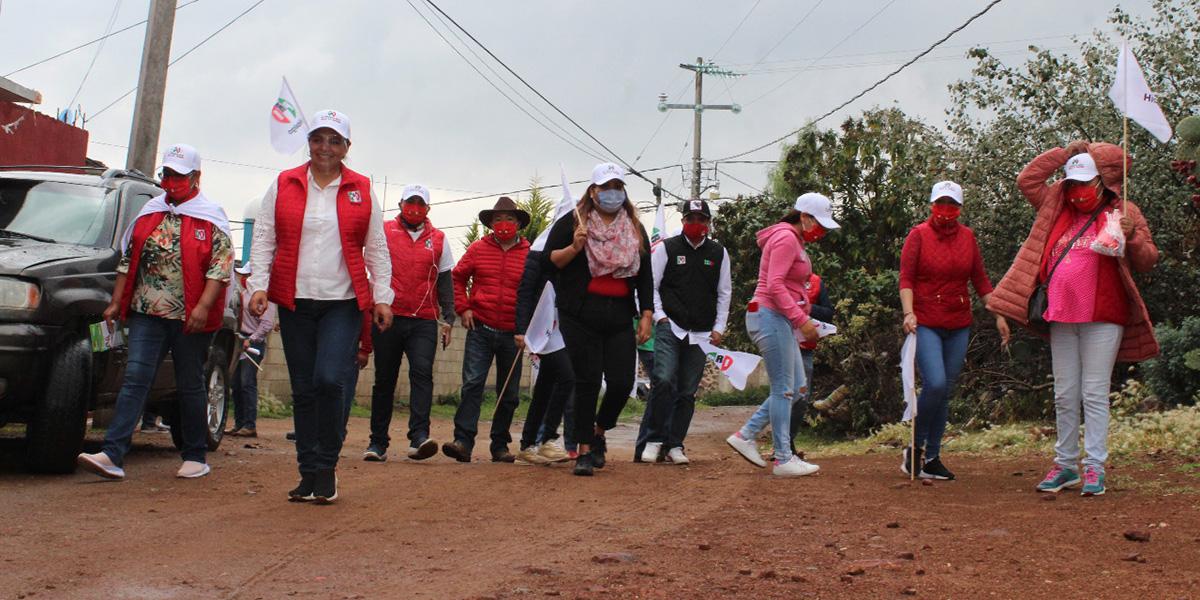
x=413, y=213
x=1084, y=198
x=816, y=233
x=946, y=213
x=505, y=231
x=178, y=187
x=695, y=231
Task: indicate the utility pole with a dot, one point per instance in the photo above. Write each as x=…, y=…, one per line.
x=698, y=107
x=152, y=87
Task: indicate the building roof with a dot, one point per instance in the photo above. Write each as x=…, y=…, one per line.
x=10, y=91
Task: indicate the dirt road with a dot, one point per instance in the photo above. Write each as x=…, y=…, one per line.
x=718, y=528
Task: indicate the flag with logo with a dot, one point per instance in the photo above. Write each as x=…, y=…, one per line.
x=908, y=375
x=660, y=229
x=289, y=128
x=735, y=366
x=1133, y=97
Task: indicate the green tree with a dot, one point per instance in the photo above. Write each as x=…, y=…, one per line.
x=540, y=207
x=474, y=232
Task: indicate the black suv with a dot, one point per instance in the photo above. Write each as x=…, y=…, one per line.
x=60, y=229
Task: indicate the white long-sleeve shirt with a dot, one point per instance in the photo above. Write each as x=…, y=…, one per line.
x=658, y=264
x=321, y=272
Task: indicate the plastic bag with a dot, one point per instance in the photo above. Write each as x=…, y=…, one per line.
x=1111, y=240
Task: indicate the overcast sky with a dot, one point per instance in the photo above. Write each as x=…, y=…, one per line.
x=421, y=114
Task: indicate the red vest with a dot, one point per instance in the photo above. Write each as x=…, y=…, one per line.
x=814, y=291
x=414, y=269
x=195, y=249
x=354, y=208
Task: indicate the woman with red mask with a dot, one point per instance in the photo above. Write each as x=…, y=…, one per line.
x=939, y=257
x=177, y=261
x=1096, y=314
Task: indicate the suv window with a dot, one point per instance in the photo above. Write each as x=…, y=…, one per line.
x=63, y=212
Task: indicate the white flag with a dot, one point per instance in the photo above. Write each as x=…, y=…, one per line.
x=660, y=229
x=565, y=205
x=1134, y=98
x=542, y=336
x=908, y=375
x=736, y=366
x=289, y=128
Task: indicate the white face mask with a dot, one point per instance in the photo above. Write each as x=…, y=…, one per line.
x=610, y=201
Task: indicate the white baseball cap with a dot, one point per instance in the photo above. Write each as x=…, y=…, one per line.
x=1081, y=167
x=415, y=189
x=946, y=189
x=332, y=119
x=819, y=206
x=181, y=158
x=606, y=172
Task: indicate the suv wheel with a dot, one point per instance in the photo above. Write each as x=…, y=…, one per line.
x=216, y=379
x=55, y=433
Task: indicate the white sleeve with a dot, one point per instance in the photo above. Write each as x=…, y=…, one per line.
x=658, y=264
x=447, y=261
x=263, y=243
x=724, y=295
x=379, y=260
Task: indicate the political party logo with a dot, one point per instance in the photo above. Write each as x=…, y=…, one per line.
x=355, y=197
x=721, y=361
x=429, y=244
x=283, y=111
x=681, y=260
x=176, y=152
x=200, y=235
x=708, y=262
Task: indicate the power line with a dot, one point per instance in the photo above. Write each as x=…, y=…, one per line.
x=112, y=20
x=86, y=44
x=884, y=63
x=713, y=56
x=871, y=87
x=781, y=40
x=738, y=66
x=181, y=56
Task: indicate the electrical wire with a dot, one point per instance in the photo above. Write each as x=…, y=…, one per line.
x=714, y=55
x=781, y=40
x=112, y=20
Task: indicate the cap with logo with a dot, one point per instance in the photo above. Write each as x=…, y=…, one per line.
x=332, y=119
x=946, y=189
x=1081, y=167
x=181, y=158
x=819, y=206
x=415, y=189
x=688, y=207
x=606, y=172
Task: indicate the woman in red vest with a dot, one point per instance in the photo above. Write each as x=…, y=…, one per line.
x=317, y=234
x=176, y=263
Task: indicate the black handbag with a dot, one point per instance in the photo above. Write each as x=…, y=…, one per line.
x=1039, y=302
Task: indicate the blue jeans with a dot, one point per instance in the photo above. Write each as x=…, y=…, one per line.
x=319, y=341
x=349, y=393
x=678, y=367
x=245, y=388
x=940, y=355
x=800, y=407
x=776, y=341
x=149, y=340
x=485, y=344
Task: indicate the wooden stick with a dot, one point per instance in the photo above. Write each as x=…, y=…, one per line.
x=912, y=471
x=500, y=396
x=1125, y=168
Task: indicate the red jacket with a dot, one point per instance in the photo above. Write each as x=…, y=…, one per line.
x=494, y=274
x=414, y=269
x=366, y=344
x=195, y=248
x=354, y=208
x=814, y=291
x=936, y=268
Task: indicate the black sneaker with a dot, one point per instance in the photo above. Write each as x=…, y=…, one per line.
x=457, y=451
x=325, y=487
x=907, y=464
x=599, y=447
x=423, y=450
x=291, y=436
x=934, y=469
x=304, y=491
x=583, y=465
x=375, y=453
x=503, y=456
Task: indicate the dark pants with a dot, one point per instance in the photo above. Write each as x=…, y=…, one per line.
x=416, y=339
x=149, y=340
x=646, y=357
x=678, y=367
x=551, y=391
x=349, y=393
x=245, y=388
x=484, y=345
x=560, y=414
x=601, y=343
x=319, y=338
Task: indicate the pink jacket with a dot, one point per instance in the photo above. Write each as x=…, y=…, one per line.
x=782, y=273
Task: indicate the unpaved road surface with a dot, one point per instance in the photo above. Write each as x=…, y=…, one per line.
x=718, y=528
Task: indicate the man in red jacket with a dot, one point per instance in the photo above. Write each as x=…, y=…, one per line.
x=485, y=294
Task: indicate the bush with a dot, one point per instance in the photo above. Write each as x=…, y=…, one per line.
x=1174, y=376
x=747, y=397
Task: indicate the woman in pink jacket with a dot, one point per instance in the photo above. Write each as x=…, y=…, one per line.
x=778, y=310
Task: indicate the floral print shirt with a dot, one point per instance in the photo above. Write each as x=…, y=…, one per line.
x=158, y=291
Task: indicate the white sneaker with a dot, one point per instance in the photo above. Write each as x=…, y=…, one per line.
x=794, y=468
x=100, y=464
x=747, y=448
x=191, y=469
x=530, y=456
x=677, y=457
x=651, y=451
x=553, y=452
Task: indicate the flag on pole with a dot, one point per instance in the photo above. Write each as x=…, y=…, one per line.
x=736, y=366
x=660, y=228
x=1133, y=97
x=289, y=128
x=908, y=375
x=542, y=336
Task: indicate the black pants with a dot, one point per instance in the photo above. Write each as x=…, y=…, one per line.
x=601, y=342
x=416, y=339
x=551, y=393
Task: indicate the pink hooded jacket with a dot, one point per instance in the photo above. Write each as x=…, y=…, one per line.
x=782, y=273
